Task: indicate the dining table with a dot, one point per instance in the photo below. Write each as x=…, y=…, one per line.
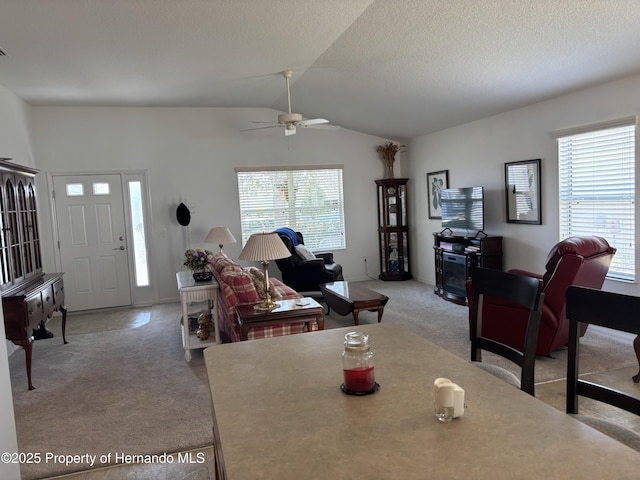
x=279, y=413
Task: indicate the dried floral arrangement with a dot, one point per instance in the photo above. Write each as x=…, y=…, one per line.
x=197, y=258
x=389, y=151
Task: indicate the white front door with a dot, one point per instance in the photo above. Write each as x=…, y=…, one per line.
x=93, y=245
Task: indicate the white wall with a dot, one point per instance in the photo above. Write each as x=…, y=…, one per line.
x=190, y=155
x=475, y=154
x=15, y=144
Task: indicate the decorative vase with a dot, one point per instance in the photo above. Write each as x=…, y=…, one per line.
x=202, y=276
x=390, y=171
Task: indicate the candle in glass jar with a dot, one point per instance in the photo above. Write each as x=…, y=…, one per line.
x=359, y=380
x=357, y=364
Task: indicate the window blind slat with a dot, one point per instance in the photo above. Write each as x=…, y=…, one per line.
x=597, y=190
x=310, y=201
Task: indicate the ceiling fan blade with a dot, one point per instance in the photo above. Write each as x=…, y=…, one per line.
x=313, y=121
x=275, y=124
x=325, y=127
x=261, y=128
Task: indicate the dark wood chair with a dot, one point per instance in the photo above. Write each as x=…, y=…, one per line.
x=513, y=291
x=610, y=310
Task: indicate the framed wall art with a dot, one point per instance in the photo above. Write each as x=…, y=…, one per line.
x=436, y=182
x=522, y=185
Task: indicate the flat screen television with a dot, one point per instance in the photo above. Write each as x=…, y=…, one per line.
x=463, y=208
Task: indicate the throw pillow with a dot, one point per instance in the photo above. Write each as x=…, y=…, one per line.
x=242, y=285
x=258, y=281
x=220, y=261
x=304, y=252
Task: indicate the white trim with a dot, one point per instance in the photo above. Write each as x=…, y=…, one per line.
x=288, y=168
x=620, y=122
x=140, y=296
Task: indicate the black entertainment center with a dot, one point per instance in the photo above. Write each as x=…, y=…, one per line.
x=457, y=256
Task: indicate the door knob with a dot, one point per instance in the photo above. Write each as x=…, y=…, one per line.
x=121, y=247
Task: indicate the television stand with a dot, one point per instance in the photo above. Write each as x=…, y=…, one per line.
x=457, y=256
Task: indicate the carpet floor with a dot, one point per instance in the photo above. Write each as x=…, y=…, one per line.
x=114, y=391
x=121, y=385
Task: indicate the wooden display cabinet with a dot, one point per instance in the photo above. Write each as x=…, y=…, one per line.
x=393, y=231
x=29, y=297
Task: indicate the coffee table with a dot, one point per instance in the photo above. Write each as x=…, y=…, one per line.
x=346, y=298
x=304, y=309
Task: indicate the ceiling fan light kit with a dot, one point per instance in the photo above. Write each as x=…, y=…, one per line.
x=291, y=120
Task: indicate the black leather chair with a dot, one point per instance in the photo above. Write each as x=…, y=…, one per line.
x=306, y=275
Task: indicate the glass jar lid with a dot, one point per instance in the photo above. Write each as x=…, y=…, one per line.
x=356, y=341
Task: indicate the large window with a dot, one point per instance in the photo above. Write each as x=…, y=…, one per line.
x=597, y=188
x=308, y=200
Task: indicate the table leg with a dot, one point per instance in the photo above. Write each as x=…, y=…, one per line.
x=27, y=345
x=356, y=312
x=185, y=330
x=380, y=312
x=213, y=308
x=63, y=309
x=244, y=333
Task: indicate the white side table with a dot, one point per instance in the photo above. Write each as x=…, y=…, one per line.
x=192, y=291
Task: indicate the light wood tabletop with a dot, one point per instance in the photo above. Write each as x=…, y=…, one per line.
x=279, y=413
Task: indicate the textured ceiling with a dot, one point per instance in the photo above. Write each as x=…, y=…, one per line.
x=393, y=68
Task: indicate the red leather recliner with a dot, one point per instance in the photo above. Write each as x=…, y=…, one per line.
x=580, y=260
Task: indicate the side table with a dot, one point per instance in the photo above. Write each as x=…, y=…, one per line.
x=290, y=311
x=192, y=291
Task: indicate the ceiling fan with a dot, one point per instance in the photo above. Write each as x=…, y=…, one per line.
x=290, y=121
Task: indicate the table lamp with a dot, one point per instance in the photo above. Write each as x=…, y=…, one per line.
x=263, y=247
x=220, y=235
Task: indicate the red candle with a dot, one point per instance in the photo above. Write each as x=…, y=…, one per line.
x=359, y=380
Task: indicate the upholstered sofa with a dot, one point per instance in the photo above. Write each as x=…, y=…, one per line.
x=579, y=260
x=240, y=285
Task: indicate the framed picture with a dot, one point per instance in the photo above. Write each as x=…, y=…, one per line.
x=436, y=182
x=522, y=186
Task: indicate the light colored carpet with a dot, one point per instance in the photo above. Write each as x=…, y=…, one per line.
x=117, y=391
x=121, y=385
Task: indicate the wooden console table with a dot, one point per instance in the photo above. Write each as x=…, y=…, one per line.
x=192, y=291
x=290, y=311
x=28, y=306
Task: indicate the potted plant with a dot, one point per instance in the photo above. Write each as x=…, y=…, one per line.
x=197, y=259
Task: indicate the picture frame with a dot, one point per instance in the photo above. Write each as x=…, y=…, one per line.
x=523, y=192
x=436, y=182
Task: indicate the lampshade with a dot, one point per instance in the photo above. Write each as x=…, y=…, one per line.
x=220, y=236
x=264, y=246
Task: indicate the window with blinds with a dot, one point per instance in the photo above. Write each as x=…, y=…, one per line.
x=597, y=190
x=308, y=200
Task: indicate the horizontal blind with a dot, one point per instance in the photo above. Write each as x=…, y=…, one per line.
x=597, y=191
x=306, y=200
